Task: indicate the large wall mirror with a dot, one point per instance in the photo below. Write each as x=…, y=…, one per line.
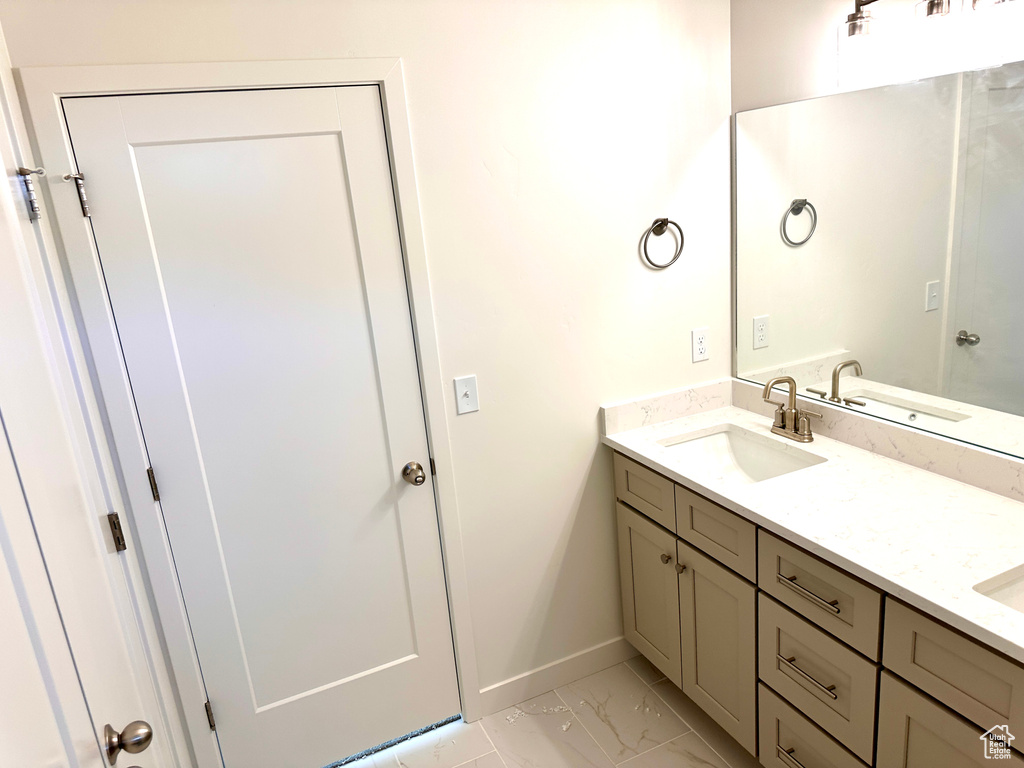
x=915, y=264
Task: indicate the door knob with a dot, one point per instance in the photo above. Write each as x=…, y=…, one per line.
x=413, y=473
x=970, y=339
x=135, y=737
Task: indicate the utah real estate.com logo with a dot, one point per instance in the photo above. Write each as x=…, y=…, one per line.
x=997, y=742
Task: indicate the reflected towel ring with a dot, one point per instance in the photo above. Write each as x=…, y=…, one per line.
x=795, y=209
x=658, y=228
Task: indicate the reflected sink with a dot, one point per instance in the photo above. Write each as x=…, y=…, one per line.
x=904, y=411
x=1006, y=588
x=736, y=454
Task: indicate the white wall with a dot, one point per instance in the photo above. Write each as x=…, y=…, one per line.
x=878, y=166
x=547, y=136
x=785, y=50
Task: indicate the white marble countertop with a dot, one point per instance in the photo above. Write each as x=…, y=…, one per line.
x=921, y=537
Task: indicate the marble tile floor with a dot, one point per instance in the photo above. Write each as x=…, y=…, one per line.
x=628, y=715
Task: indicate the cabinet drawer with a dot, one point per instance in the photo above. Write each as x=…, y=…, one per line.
x=719, y=651
x=974, y=681
x=725, y=536
x=916, y=732
x=790, y=740
x=831, y=684
x=650, y=590
x=834, y=600
x=645, y=490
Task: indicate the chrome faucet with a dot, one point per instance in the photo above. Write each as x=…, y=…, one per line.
x=835, y=397
x=789, y=421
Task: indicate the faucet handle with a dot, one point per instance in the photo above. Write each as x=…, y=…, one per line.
x=780, y=413
x=818, y=392
x=803, y=424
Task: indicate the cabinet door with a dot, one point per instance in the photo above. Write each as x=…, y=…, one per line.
x=916, y=732
x=719, y=651
x=650, y=590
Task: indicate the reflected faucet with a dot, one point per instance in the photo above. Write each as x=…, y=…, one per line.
x=835, y=397
x=789, y=420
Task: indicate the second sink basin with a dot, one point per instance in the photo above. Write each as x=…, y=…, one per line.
x=1006, y=588
x=736, y=454
x=905, y=411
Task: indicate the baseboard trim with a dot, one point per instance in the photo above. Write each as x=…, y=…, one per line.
x=499, y=696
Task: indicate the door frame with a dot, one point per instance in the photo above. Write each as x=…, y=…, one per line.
x=86, y=308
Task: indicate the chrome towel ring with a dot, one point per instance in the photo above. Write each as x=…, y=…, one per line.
x=658, y=229
x=795, y=209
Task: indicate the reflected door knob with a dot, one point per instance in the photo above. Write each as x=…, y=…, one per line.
x=413, y=473
x=970, y=339
x=135, y=737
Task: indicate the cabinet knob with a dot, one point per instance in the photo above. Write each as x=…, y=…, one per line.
x=666, y=559
x=680, y=567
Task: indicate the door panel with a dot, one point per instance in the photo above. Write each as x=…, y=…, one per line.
x=250, y=248
x=989, y=256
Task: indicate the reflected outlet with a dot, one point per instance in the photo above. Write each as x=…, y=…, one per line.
x=760, y=331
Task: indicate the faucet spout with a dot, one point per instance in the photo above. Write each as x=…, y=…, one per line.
x=791, y=398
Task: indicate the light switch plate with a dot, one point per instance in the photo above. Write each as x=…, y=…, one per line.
x=466, y=400
x=932, y=295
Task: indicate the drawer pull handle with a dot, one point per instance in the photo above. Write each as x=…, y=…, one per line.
x=828, y=690
x=790, y=581
x=786, y=756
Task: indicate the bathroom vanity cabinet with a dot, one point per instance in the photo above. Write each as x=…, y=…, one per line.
x=805, y=665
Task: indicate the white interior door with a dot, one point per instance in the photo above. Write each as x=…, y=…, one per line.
x=250, y=248
x=990, y=270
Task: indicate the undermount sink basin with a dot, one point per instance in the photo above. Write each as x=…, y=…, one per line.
x=904, y=411
x=736, y=454
x=1006, y=588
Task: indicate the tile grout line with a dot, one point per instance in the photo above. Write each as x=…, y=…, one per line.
x=692, y=729
x=689, y=728
x=585, y=729
x=491, y=741
x=485, y=754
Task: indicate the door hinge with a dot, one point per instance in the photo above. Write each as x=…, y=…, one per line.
x=120, y=545
x=209, y=716
x=433, y=467
x=30, y=191
x=152, y=484
x=79, y=180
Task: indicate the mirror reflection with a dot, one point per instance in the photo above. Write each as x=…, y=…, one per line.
x=880, y=252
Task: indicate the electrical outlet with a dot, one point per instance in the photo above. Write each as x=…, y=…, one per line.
x=699, y=339
x=760, y=331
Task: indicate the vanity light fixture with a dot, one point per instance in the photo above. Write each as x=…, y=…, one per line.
x=859, y=22
x=929, y=8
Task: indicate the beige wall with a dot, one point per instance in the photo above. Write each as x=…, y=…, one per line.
x=547, y=136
